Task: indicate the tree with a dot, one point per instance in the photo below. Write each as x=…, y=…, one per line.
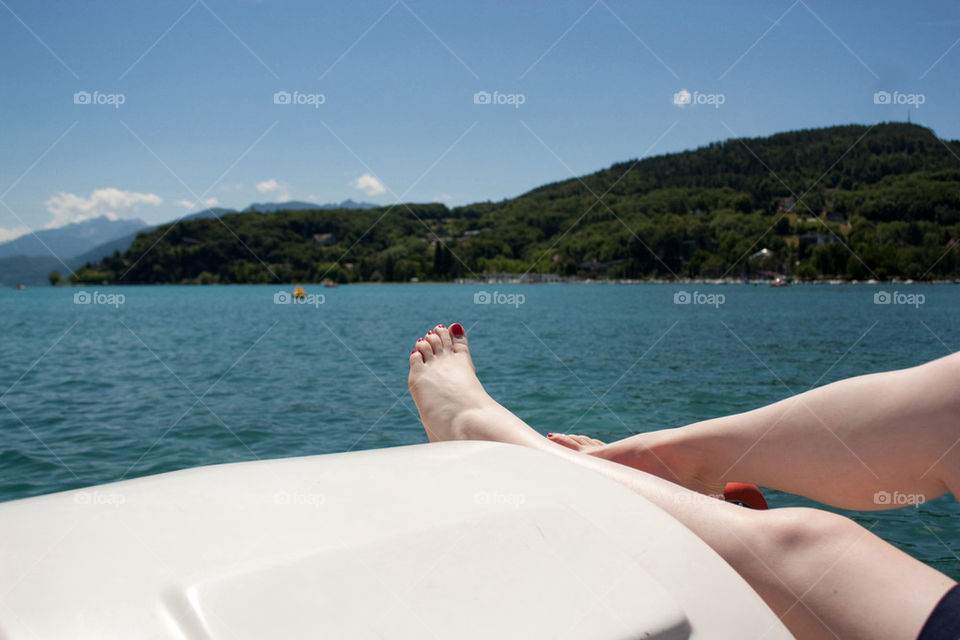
x=807, y=271
x=54, y=278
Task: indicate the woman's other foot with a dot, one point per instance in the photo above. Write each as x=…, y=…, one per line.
x=663, y=453
x=583, y=444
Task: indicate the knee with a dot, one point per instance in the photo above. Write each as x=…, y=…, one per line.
x=783, y=542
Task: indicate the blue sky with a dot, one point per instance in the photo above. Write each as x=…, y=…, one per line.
x=398, y=118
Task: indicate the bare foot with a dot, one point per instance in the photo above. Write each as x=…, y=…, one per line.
x=583, y=444
x=453, y=404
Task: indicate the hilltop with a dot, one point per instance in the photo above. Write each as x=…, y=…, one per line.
x=787, y=203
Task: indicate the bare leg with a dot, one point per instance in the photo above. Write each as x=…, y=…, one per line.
x=896, y=433
x=823, y=574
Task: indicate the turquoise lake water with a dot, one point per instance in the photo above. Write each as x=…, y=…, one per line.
x=171, y=377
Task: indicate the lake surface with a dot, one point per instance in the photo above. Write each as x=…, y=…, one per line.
x=171, y=377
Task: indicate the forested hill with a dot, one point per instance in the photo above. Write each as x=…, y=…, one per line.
x=890, y=192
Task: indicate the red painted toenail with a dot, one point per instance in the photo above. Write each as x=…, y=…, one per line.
x=422, y=340
x=549, y=435
x=414, y=351
x=431, y=333
x=440, y=326
x=456, y=329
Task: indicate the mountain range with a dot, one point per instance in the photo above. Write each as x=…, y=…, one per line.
x=29, y=258
x=70, y=240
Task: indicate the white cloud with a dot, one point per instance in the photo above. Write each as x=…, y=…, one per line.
x=69, y=207
x=12, y=233
x=443, y=197
x=270, y=186
x=190, y=204
x=369, y=184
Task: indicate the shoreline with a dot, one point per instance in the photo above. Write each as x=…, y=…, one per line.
x=510, y=281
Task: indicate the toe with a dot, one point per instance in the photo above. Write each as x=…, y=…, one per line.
x=424, y=349
x=444, y=334
x=458, y=336
x=586, y=442
x=575, y=442
x=564, y=440
x=416, y=360
x=434, y=340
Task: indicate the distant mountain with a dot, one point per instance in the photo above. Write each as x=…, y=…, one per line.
x=293, y=205
x=35, y=270
x=120, y=244
x=71, y=240
x=350, y=204
x=29, y=271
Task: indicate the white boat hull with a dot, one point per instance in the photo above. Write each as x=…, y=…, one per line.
x=449, y=540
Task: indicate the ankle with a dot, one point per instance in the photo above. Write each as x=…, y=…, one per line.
x=468, y=424
x=676, y=455
x=700, y=461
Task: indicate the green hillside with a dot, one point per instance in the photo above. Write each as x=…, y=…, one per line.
x=891, y=193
